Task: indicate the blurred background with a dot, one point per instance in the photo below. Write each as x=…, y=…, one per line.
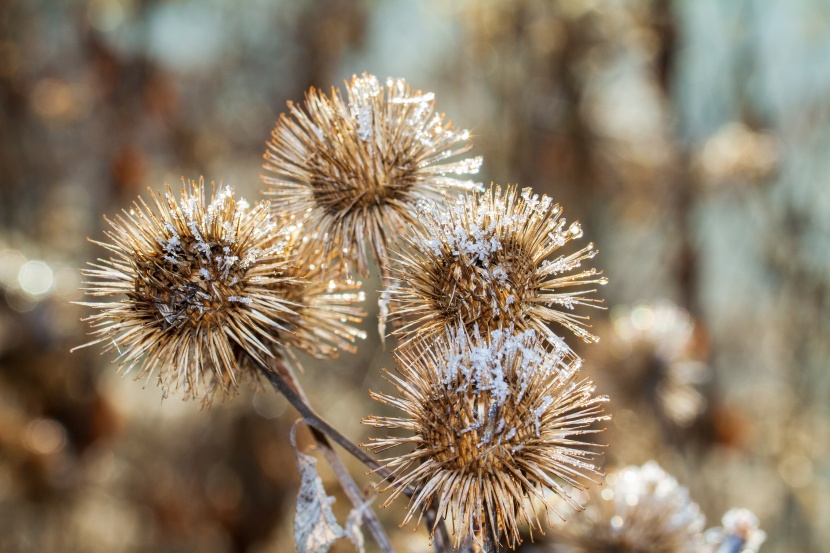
x=691, y=139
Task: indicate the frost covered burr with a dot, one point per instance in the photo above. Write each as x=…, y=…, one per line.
x=195, y=288
x=488, y=261
x=358, y=165
x=642, y=510
x=497, y=424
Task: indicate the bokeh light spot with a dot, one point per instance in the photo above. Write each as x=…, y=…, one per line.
x=35, y=278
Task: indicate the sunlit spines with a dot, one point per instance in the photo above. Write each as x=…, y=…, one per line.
x=358, y=165
x=328, y=306
x=488, y=260
x=496, y=423
x=190, y=289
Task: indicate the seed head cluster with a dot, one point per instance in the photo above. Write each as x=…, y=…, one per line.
x=359, y=164
x=496, y=421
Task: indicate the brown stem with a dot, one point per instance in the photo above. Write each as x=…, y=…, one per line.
x=282, y=379
x=288, y=386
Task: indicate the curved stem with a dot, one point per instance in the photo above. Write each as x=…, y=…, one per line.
x=285, y=383
x=288, y=386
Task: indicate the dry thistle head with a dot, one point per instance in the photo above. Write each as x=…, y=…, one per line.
x=642, y=510
x=485, y=260
x=203, y=287
x=359, y=165
x=495, y=423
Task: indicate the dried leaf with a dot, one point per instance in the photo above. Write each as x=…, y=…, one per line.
x=315, y=526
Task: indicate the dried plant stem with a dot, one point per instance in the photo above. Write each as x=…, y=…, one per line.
x=489, y=544
x=283, y=380
x=288, y=386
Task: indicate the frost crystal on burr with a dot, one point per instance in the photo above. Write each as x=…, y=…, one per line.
x=496, y=425
x=486, y=260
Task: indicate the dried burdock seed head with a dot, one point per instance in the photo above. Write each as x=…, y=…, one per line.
x=203, y=288
x=642, y=510
x=358, y=165
x=495, y=424
x=196, y=280
x=486, y=260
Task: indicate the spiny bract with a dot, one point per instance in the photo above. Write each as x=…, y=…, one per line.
x=485, y=261
x=358, y=166
x=495, y=423
x=205, y=287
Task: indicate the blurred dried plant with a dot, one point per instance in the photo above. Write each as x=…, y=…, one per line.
x=737, y=154
x=495, y=422
x=740, y=533
x=661, y=353
x=358, y=166
x=643, y=509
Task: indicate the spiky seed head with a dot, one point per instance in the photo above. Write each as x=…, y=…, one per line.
x=642, y=510
x=496, y=423
x=197, y=288
x=487, y=260
x=359, y=164
x=194, y=279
